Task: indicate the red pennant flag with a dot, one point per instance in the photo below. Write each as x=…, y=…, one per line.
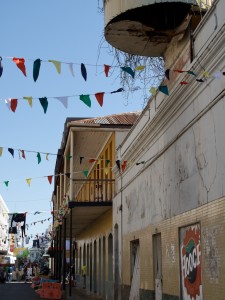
x=183, y=82
x=179, y=71
x=50, y=179
x=99, y=97
x=123, y=166
x=13, y=104
x=20, y=62
x=91, y=160
x=23, y=154
x=106, y=69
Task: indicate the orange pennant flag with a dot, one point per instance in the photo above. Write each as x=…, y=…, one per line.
x=23, y=154
x=99, y=97
x=20, y=62
x=50, y=179
x=91, y=160
x=123, y=165
x=106, y=69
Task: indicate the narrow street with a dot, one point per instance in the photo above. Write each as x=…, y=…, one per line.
x=22, y=291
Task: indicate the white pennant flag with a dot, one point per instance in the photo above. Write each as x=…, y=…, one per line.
x=63, y=100
x=71, y=69
x=8, y=103
x=217, y=75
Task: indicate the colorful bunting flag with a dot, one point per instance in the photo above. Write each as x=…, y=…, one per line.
x=28, y=180
x=164, y=89
x=20, y=62
x=63, y=100
x=106, y=171
x=6, y=183
x=29, y=99
x=23, y=154
x=81, y=159
x=167, y=74
x=191, y=73
x=99, y=97
x=39, y=157
x=68, y=157
x=47, y=154
x=140, y=163
x=106, y=70
x=50, y=179
x=118, y=163
x=183, y=82
x=200, y=80
x=1, y=151
x=71, y=69
x=57, y=65
x=139, y=68
x=86, y=99
x=92, y=160
x=44, y=103
x=83, y=71
x=153, y=91
x=118, y=91
x=13, y=104
x=107, y=162
x=123, y=166
x=11, y=151
x=36, y=68
x=129, y=71
x=85, y=173
x=1, y=66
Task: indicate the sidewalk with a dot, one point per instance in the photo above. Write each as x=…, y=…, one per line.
x=80, y=294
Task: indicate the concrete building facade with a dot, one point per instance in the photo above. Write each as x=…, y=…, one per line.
x=168, y=214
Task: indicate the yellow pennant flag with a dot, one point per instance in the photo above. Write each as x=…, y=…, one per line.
x=206, y=74
x=28, y=180
x=47, y=156
x=30, y=100
x=57, y=65
x=1, y=150
x=99, y=162
x=140, y=68
x=106, y=171
x=152, y=90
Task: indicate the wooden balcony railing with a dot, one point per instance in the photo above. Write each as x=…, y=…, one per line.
x=94, y=190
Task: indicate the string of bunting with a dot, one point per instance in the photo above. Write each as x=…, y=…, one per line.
x=20, y=63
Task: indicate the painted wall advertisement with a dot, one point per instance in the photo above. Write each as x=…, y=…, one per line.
x=190, y=255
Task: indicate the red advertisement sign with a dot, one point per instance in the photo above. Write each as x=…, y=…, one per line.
x=190, y=255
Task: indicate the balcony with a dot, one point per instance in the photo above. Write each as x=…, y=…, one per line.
x=145, y=27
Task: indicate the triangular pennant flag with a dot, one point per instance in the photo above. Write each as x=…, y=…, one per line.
x=83, y=71
x=63, y=100
x=164, y=89
x=13, y=104
x=199, y=80
x=36, y=68
x=106, y=70
x=28, y=180
x=57, y=65
x=44, y=103
x=23, y=154
x=85, y=173
x=47, y=154
x=217, y=75
x=128, y=70
x=118, y=164
x=106, y=171
x=19, y=154
x=11, y=151
x=7, y=102
x=139, y=68
x=81, y=159
x=223, y=73
x=118, y=91
x=92, y=160
x=123, y=166
x=68, y=157
x=179, y=71
x=140, y=163
x=99, y=97
x=50, y=179
x=86, y=99
x=107, y=162
x=6, y=183
x=71, y=69
x=39, y=157
x=191, y=73
x=167, y=74
x=29, y=99
x=1, y=67
x=153, y=91
x=20, y=62
x=183, y=82
x=206, y=74
x=67, y=175
x=1, y=150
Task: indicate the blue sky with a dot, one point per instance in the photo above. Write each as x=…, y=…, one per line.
x=67, y=31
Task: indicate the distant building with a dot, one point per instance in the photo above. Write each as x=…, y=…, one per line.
x=4, y=243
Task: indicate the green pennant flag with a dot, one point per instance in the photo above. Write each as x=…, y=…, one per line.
x=44, y=103
x=86, y=99
x=164, y=89
x=36, y=68
x=128, y=70
x=68, y=157
x=85, y=173
x=39, y=157
x=107, y=162
x=191, y=73
x=140, y=163
x=6, y=183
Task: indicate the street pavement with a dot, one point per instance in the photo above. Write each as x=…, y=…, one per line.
x=23, y=291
